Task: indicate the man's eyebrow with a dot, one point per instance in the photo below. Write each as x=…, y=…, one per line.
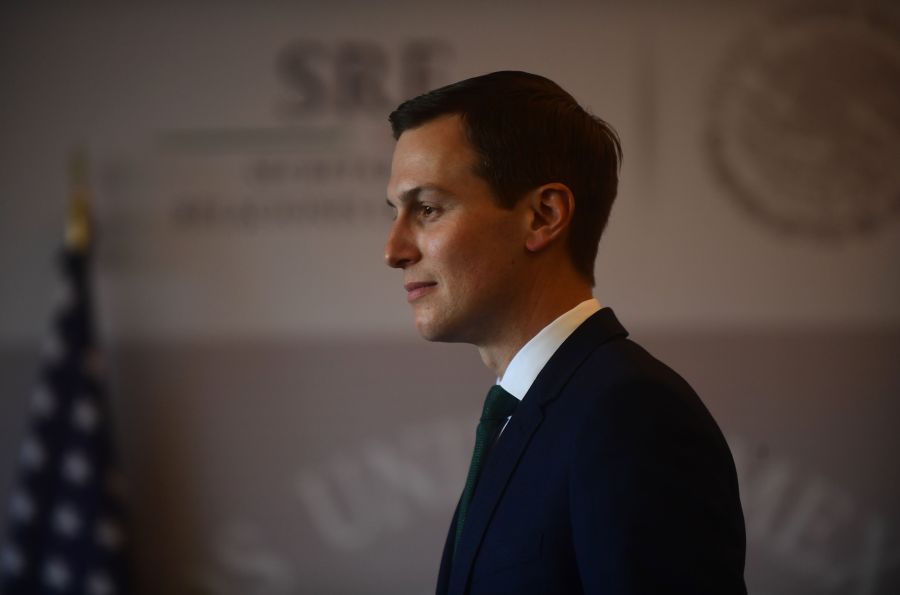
x=412, y=194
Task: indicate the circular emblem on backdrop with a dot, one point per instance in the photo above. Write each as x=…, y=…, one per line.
x=805, y=122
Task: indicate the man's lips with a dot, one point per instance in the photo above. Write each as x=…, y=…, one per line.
x=416, y=290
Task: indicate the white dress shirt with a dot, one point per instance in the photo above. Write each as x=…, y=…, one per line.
x=534, y=355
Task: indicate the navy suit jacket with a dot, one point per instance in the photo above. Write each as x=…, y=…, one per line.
x=610, y=478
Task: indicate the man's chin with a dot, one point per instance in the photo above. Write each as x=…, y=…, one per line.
x=429, y=334
x=437, y=333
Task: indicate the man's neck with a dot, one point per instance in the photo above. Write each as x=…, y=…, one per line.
x=497, y=354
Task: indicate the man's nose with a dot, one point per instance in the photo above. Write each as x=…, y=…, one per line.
x=400, y=251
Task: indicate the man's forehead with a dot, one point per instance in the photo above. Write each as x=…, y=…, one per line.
x=440, y=136
x=430, y=157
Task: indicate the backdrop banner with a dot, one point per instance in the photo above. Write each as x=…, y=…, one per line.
x=285, y=431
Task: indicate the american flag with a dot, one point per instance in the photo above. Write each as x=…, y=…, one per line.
x=65, y=532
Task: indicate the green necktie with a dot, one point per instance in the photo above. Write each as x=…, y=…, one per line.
x=498, y=405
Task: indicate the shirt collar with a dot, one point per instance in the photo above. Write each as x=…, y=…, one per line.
x=534, y=355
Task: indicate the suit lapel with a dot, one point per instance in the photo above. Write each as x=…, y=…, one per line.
x=443, y=584
x=505, y=455
x=494, y=477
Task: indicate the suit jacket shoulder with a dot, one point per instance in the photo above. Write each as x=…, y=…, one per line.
x=611, y=477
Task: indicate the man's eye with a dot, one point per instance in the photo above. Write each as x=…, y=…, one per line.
x=427, y=210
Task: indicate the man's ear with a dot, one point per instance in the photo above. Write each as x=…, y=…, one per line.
x=551, y=208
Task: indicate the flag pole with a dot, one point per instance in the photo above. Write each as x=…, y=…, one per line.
x=78, y=225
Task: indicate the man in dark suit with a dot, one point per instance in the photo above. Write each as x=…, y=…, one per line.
x=596, y=469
